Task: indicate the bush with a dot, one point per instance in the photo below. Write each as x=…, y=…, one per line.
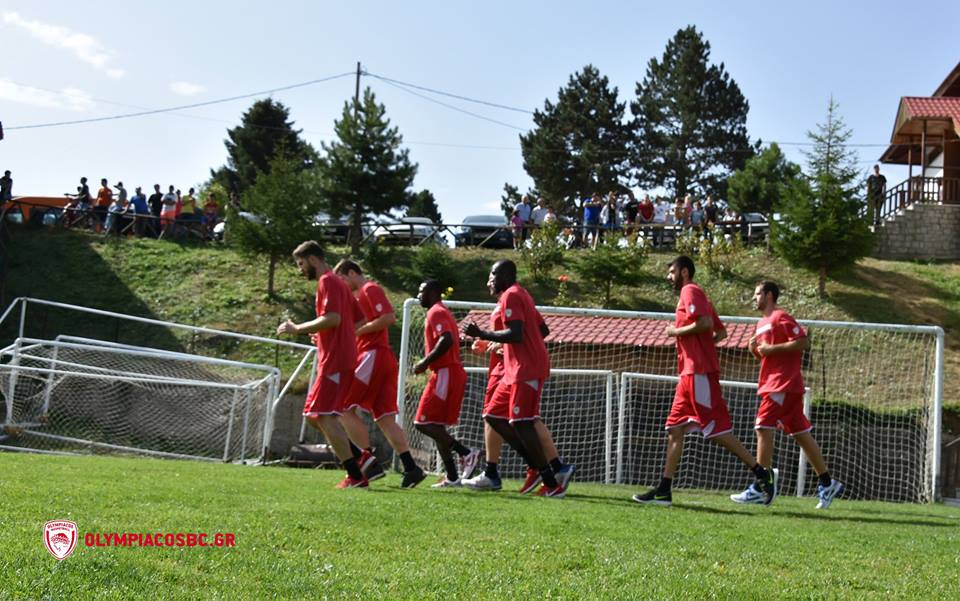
x=717, y=253
x=544, y=252
x=611, y=265
x=431, y=261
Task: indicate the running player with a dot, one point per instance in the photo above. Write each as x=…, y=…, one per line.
x=779, y=343
x=336, y=355
x=698, y=403
x=440, y=404
x=374, y=387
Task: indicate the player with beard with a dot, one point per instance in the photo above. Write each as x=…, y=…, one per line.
x=779, y=343
x=374, y=387
x=526, y=367
x=443, y=396
x=337, y=313
x=698, y=402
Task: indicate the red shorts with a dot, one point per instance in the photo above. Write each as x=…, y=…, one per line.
x=374, y=387
x=699, y=401
x=327, y=394
x=524, y=400
x=496, y=401
x=783, y=410
x=442, y=398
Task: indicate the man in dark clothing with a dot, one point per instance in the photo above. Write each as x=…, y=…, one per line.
x=876, y=188
x=156, y=203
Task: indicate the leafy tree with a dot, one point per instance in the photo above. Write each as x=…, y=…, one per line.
x=365, y=170
x=580, y=144
x=423, y=204
x=690, y=120
x=545, y=251
x=264, y=129
x=821, y=225
x=610, y=265
x=284, y=201
x=759, y=186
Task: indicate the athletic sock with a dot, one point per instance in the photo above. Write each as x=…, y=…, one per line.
x=353, y=470
x=548, y=478
x=450, y=466
x=491, y=471
x=760, y=472
x=556, y=464
x=357, y=451
x=459, y=449
x=665, y=485
x=409, y=465
x=825, y=479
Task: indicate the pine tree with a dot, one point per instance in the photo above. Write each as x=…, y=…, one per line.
x=822, y=226
x=760, y=185
x=580, y=144
x=251, y=146
x=690, y=120
x=365, y=170
x=423, y=204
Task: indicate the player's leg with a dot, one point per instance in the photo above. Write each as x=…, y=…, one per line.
x=322, y=411
x=444, y=442
x=765, y=446
x=524, y=413
x=563, y=471
x=412, y=473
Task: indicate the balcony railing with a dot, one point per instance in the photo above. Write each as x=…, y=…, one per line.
x=919, y=189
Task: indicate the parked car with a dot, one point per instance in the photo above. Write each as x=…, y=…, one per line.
x=407, y=230
x=489, y=231
x=337, y=229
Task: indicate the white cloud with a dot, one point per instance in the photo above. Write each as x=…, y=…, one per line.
x=85, y=47
x=71, y=99
x=185, y=88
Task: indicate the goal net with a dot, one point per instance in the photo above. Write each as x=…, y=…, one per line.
x=81, y=394
x=874, y=397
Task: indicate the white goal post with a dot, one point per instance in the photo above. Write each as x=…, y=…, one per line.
x=875, y=395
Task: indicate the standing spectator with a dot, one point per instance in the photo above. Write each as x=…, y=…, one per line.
x=235, y=202
x=608, y=214
x=697, y=216
x=119, y=220
x=711, y=211
x=539, y=214
x=645, y=215
x=168, y=213
x=876, y=188
x=188, y=215
x=6, y=187
x=104, y=199
x=210, y=216
x=156, y=205
x=517, y=222
x=591, y=218
x=525, y=209
x=141, y=211
x=679, y=215
x=83, y=193
x=631, y=210
x=550, y=217
x=114, y=215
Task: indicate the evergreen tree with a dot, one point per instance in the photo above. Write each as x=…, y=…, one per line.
x=423, y=204
x=284, y=200
x=252, y=145
x=580, y=144
x=760, y=185
x=822, y=227
x=690, y=120
x=365, y=170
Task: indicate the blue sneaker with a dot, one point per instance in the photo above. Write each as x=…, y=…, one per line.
x=827, y=494
x=565, y=474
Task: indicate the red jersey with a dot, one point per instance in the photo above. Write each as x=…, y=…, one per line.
x=525, y=360
x=780, y=372
x=495, y=370
x=336, y=347
x=440, y=320
x=373, y=303
x=697, y=353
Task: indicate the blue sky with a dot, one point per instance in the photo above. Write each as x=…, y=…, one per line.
x=96, y=59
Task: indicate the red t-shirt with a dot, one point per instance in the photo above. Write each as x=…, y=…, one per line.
x=373, y=303
x=440, y=320
x=527, y=359
x=336, y=347
x=646, y=210
x=780, y=372
x=697, y=353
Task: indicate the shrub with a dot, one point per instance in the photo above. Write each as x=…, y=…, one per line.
x=544, y=252
x=431, y=261
x=611, y=265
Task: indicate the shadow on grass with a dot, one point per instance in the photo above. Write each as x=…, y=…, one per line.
x=820, y=516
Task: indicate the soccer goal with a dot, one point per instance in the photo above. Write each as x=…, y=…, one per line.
x=80, y=394
x=874, y=396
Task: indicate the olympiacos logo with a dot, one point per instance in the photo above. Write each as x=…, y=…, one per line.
x=60, y=538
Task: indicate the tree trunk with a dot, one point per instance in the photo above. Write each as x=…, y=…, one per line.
x=356, y=233
x=822, y=283
x=270, y=272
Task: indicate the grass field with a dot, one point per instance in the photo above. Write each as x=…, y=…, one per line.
x=297, y=537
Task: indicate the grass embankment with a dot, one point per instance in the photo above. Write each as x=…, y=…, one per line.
x=215, y=286
x=297, y=537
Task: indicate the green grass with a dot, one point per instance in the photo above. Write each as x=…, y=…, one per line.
x=297, y=537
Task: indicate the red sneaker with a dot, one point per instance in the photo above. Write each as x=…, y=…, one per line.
x=557, y=492
x=531, y=481
x=366, y=460
x=349, y=482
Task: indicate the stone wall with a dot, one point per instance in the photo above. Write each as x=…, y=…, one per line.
x=921, y=231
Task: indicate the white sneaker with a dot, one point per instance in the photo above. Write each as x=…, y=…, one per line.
x=469, y=463
x=482, y=482
x=749, y=496
x=827, y=494
x=444, y=483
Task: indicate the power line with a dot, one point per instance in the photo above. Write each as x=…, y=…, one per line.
x=442, y=93
x=181, y=107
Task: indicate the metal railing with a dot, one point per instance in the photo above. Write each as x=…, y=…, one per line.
x=918, y=189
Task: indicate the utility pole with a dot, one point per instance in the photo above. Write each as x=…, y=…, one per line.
x=356, y=92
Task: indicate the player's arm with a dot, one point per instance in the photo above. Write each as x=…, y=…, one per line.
x=511, y=335
x=381, y=323
x=443, y=345
x=704, y=323
x=719, y=335
x=544, y=330
x=324, y=322
x=794, y=346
